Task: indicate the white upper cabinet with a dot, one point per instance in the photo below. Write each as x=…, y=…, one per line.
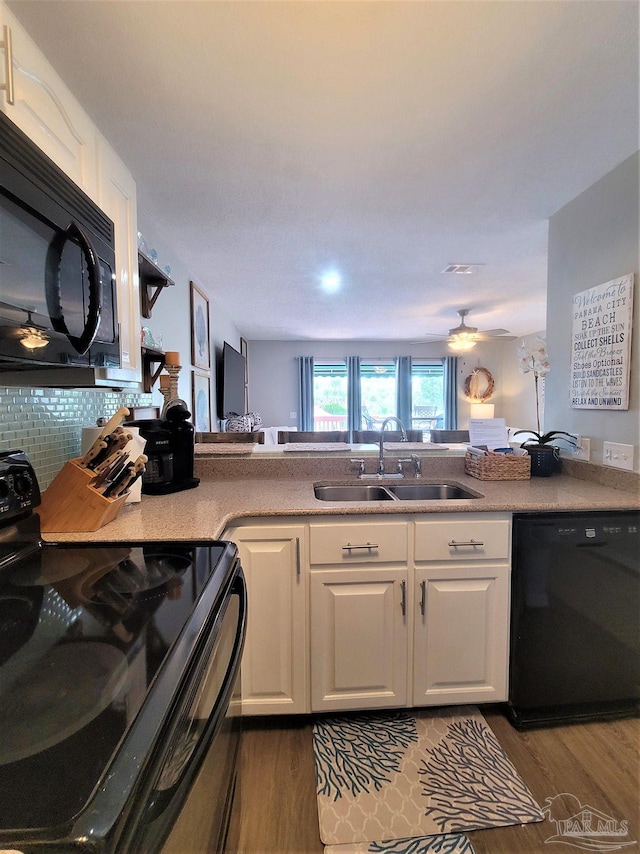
x=117, y=198
x=40, y=104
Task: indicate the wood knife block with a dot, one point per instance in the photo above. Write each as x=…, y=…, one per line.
x=71, y=504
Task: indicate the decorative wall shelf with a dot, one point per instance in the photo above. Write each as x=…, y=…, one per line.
x=152, y=281
x=152, y=364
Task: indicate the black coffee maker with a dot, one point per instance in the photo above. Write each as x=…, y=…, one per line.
x=170, y=451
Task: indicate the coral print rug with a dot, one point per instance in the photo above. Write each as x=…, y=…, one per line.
x=401, y=782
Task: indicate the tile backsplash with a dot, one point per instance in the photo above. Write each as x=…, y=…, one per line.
x=47, y=423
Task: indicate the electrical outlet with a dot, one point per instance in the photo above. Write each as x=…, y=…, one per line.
x=293, y=415
x=583, y=449
x=618, y=456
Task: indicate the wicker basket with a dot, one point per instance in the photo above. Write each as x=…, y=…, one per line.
x=498, y=467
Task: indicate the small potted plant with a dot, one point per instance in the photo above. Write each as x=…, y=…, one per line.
x=544, y=454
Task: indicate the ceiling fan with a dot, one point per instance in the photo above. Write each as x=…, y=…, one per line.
x=463, y=337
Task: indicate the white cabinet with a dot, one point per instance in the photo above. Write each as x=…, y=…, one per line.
x=358, y=638
x=275, y=663
x=461, y=635
x=402, y=611
x=393, y=630
x=43, y=108
x=358, y=605
x=357, y=542
x=117, y=198
x=461, y=609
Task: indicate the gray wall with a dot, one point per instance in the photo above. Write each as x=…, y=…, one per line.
x=273, y=384
x=593, y=239
x=171, y=316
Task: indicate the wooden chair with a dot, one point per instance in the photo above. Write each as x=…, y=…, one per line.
x=442, y=436
x=256, y=438
x=313, y=436
x=368, y=436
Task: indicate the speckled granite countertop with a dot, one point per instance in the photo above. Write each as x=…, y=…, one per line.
x=230, y=490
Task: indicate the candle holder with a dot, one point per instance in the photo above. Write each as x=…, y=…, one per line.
x=171, y=392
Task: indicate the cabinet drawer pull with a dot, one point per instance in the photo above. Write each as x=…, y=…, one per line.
x=423, y=595
x=298, y=557
x=349, y=547
x=403, y=600
x=454, y=544
x=8, y=65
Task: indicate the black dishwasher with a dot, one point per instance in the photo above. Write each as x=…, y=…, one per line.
x=575, y=619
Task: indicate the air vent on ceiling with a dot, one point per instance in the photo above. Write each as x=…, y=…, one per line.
x=462, y=269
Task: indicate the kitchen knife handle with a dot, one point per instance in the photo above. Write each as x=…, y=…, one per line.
x=115, y=421
x=94, y=452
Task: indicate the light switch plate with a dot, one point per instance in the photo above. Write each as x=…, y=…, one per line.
x=618, y=456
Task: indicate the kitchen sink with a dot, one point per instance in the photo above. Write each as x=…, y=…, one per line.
x=395, y=492
x=355, y=492
x=430, y=491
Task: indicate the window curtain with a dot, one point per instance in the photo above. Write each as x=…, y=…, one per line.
x=403, y=390
x=354, y=397
x=450, y=366
x=305, y=392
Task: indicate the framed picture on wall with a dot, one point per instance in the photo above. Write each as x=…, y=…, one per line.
x=243, y=352
x=200, y=346
x=201, y=396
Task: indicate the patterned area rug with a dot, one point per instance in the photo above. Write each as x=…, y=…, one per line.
x=401, y=776
x=451, y=843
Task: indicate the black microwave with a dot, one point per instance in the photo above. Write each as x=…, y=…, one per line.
x=58, y=302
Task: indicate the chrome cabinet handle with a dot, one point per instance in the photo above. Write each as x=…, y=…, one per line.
x=423, y=595
x=454, y=544
x=403, y=600
x=8, y=65
x=298, y=557
x=349, y=546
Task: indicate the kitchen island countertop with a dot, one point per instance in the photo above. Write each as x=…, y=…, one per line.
x=205, y=512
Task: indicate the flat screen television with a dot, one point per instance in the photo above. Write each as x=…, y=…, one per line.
x=232, y=374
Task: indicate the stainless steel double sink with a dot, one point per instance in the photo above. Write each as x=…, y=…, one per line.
x=392, y=492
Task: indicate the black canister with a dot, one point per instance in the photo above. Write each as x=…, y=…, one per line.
x=182, y=444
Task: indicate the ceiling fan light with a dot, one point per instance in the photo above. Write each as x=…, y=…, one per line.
x=462, y=343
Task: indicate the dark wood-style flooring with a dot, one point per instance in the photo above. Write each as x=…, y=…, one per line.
x=598, y=763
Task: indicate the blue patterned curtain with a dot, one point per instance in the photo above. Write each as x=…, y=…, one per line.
x=305, y=392
x=354, y=398
x=403, y=390
x=450, y=366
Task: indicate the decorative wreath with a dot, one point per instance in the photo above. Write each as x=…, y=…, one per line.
x=478, y=389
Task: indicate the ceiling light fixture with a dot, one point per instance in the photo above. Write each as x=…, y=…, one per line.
x=462, y=342
x=331, y=282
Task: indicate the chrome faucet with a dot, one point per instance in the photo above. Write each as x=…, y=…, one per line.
x=381, y=453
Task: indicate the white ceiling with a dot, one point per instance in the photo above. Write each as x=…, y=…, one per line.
x=271, y=141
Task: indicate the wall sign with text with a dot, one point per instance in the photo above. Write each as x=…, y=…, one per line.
x=601, y=345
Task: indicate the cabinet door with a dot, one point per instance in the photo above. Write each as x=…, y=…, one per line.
x=45, y=110
x=461, y=634
x=358, y=638
x=275, y=662
x=118, y=200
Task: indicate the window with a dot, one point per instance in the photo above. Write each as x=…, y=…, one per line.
x=377, y=391
x=330, y=395
x=427, y=394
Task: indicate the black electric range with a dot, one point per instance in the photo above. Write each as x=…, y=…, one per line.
x=106, y=653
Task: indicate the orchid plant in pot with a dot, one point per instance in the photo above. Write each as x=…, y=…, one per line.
x=544, y=454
